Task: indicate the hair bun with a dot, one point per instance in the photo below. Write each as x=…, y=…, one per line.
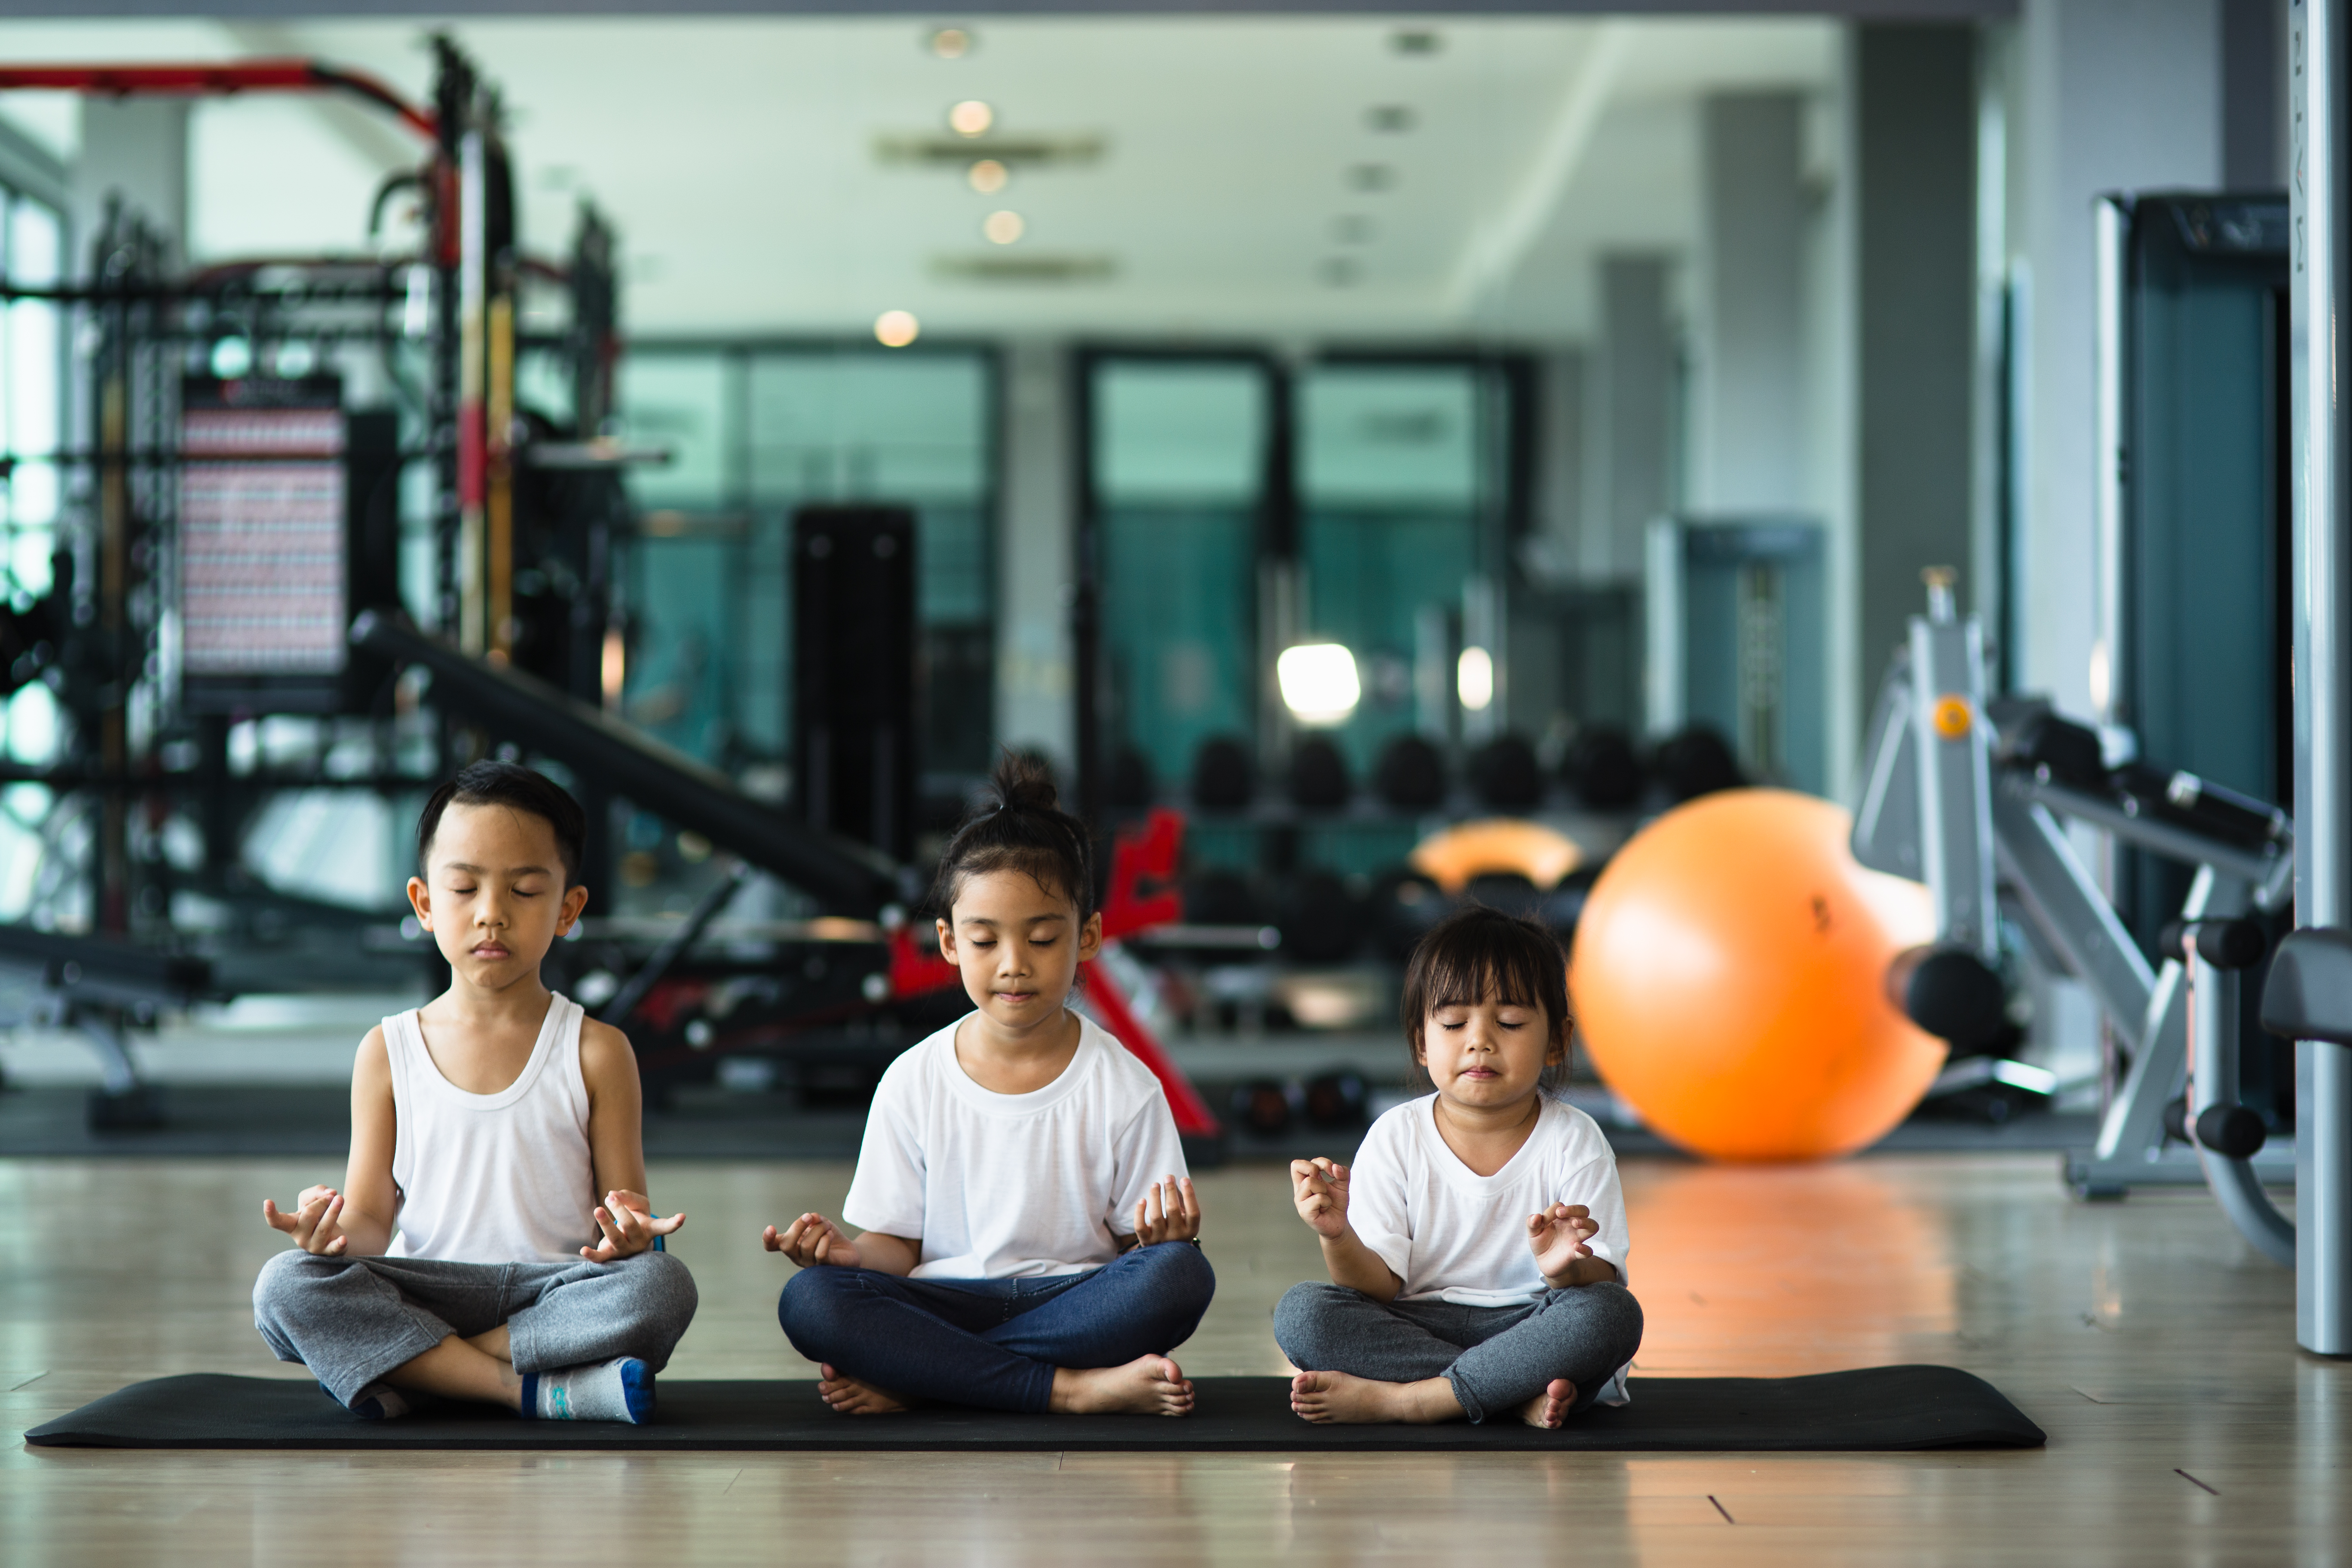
x=1024, y=782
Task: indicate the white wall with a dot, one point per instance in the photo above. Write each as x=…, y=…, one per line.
x=2119, y=95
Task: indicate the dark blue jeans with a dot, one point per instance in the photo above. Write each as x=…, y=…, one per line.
x=996, y=1342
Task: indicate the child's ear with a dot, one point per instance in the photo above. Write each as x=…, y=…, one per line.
x=1090, y=937
x=420, y=899
x=576, y=899
x=947, y=941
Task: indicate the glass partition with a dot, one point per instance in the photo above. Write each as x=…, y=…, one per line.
x=1178, y=463
x=759, y=430
x=1397, y=487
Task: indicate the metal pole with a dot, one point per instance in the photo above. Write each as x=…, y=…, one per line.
x=2323, y=740
x=2111, y=235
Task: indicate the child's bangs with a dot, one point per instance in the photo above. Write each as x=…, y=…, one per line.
x=1041, y=865
x=1464, y=977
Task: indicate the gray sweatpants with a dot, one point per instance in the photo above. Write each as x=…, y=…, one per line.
x=1497, y=1358
x=353, y=1319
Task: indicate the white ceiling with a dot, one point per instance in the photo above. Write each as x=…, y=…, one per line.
x=737, y=158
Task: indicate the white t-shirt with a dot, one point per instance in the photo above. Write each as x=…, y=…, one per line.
x=1452, y=1234
x=1010, y=1187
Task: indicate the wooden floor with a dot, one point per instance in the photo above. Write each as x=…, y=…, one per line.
x=2155, y=1349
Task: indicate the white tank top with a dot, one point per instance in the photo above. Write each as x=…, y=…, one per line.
x=493, y=1178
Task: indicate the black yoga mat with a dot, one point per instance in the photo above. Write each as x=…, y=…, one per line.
x=1879, y=1407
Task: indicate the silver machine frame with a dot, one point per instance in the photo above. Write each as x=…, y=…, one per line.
x=2320, y=284
x=1989, y=839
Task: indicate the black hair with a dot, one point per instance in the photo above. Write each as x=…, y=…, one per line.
x=1475, y=954
x=512, y=786
x=1019, y=825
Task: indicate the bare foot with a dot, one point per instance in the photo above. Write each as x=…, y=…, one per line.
x=850, y=1397
x=1148, y=1385
x=1549, y=1408
x=1337, y=1396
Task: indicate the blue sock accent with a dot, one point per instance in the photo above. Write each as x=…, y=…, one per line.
x=637, y=1388
x=531, y=1397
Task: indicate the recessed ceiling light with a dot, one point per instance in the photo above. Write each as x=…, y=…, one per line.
x=1372, y=177
x=988, y=176
x=895, y=329
x=1389, y=117
x=951, y=43
x=1003, y=228
x=970, y=118
x=1353, y=228
x=1416, y=41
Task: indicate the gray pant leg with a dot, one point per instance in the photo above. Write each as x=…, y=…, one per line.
x=1329, y=1328
x=353, y=1319
x=562, y=1314
x=1583, y=1335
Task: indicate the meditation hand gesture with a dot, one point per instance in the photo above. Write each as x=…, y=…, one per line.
x=1169, y=1212
x=1557, y=1235
x=813, y=1240
x=313, y=1225
x=1319, y=1187
x=629, y=1227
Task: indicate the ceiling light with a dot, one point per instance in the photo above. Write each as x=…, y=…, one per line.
x=988, y=176
x=951, y=43
x=1473, y=679
x=1003, y=228
x=1318, y=682
x=895, y=329
x=1416, y=41
x=970, y=118
x=1388, y=117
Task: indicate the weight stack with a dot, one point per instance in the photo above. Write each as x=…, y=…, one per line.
x=854, y=637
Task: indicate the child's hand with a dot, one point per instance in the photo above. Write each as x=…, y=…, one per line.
x=813, y=1240
x=315, y=1223
x=629, y=1227
x=1169, y=1212
x=1319, y=1187
x=1557, y=1235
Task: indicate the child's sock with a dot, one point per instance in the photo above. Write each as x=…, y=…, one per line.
x=378, y=1402
x=621, y=1389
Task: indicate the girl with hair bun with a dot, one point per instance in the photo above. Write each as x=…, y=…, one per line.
x=1028, y=1238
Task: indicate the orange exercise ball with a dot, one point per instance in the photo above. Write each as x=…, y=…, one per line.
x=1729, y=980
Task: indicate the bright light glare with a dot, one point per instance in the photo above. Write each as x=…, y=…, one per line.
x=989, y=177
x=895, y=329
x=970, y=118
x=1003, y=228
x=950, y=43
x=1473, y=679
x=1318, y=682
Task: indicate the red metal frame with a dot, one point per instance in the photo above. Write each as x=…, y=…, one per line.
x=219, y=78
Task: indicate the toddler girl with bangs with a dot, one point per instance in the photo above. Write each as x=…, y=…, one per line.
x=1476, y=1247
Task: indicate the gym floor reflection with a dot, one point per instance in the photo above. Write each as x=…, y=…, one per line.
x=2155, y=1347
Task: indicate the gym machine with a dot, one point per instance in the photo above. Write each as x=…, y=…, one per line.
x=1937, y=813
x=1968, y=795
x=217, y=395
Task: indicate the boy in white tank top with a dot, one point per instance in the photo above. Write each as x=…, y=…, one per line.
x=492, y=1240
